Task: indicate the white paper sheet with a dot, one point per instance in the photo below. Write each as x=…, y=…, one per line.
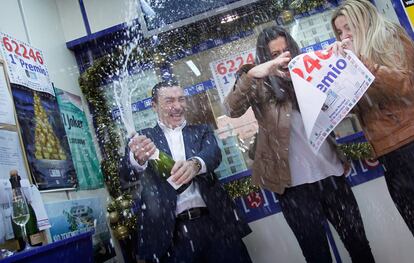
x=11, y=156
x=6, y=103
x=327, y=88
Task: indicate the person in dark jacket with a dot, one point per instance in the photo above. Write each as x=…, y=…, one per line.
x=201, y=224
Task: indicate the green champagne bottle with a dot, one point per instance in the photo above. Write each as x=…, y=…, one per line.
x=33, y=233
x=162, y=163
x=17, y=231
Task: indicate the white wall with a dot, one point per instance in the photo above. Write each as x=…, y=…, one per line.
x=11, y=21
x=71, y=19
x=273, y=241
x=103, y=14
x=45, y=32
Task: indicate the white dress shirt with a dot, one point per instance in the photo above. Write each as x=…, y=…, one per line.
x=191, y=197
x=305, y=165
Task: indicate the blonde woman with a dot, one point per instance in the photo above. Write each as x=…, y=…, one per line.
x=387, y=109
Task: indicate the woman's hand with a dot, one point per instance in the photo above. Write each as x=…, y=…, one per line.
x=338, y=47
x=275, y=67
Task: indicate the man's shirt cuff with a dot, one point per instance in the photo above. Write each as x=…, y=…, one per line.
x=135, y=164
x=203, y=165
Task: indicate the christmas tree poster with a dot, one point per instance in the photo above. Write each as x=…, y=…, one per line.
x=44, y=138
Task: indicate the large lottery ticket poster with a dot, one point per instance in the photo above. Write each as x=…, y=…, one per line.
x=224, y=70
x=327, y=87
x=244, y=127
x=43, y=133
x=25, y=64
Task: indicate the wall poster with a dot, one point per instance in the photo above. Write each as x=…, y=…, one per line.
x=41, y=127
x=72, y=217
x=81, y=145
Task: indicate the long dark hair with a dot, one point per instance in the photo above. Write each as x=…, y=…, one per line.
x=278, y=85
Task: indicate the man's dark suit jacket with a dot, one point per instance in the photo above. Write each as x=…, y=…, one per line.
x=156, y=199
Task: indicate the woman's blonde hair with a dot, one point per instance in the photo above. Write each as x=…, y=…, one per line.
x=374, y=36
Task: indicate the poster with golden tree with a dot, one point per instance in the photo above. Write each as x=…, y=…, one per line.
x=45, y=139
x=43, y=134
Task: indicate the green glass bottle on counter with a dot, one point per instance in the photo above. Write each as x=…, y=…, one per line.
x=17, y=231
x=162, y=163
x=33, y=234
x=32, y=230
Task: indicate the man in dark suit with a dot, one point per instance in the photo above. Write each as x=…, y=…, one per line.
x=200, y=224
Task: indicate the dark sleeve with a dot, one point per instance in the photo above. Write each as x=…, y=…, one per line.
x=210, y=151
x=127, y=174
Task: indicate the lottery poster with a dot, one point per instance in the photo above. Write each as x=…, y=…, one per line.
x=224, y=70
x=42, y=129
x=327, y=87
x=25, y=64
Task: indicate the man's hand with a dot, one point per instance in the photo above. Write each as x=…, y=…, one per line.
x=275, y=67
x=183, y=171
x=142, y=148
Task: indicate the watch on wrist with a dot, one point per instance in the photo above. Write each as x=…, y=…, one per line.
x=197, y=163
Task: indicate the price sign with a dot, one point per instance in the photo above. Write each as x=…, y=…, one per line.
x=25, y=64
x=224, y=69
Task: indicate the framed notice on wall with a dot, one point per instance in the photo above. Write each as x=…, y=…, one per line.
x=12, y=155
x=37, y=114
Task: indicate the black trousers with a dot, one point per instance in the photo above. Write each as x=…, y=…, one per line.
x=306, y=208
x=201, y=241
x=399, y=176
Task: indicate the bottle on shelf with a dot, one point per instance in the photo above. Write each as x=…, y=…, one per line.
x=32, y=231
x=17, y=231
x=162, y=163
